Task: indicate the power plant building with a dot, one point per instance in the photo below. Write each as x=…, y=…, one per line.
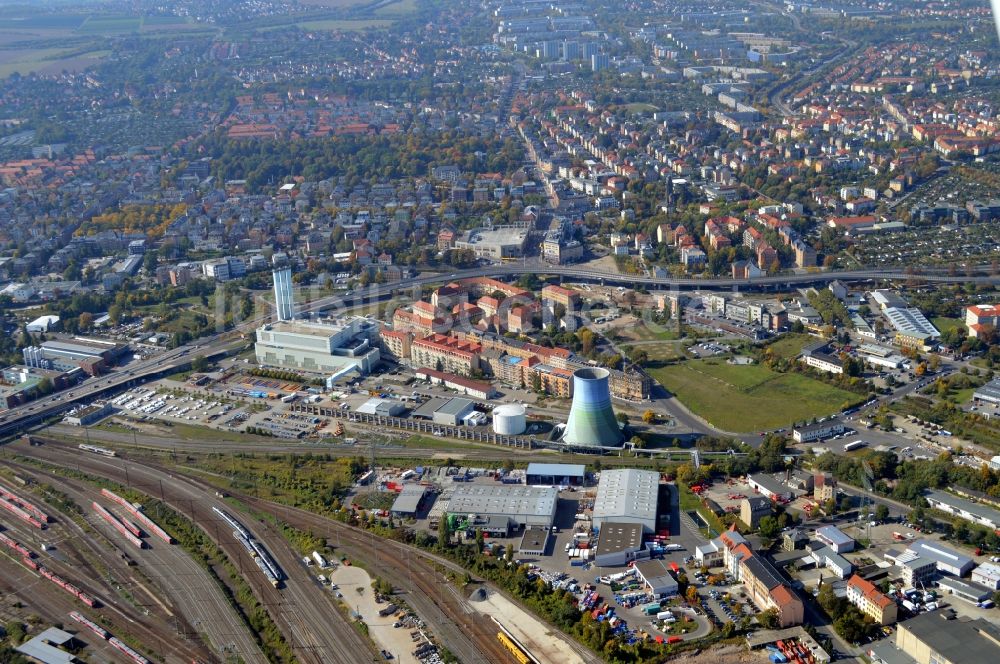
x=327, y=347
x=284, y=299
x=627, y=496
x=592, y=421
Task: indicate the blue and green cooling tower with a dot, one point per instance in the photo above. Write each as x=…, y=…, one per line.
x=592, y=421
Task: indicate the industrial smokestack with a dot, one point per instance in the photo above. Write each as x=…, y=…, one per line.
x=591, y=420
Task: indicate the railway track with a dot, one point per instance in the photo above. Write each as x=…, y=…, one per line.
x=77, y=553
x=307, y=618
x=462, y=629
x=190, y=598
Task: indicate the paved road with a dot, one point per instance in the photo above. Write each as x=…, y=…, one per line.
x=16, y=420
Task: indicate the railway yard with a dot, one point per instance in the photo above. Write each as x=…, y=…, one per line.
x=160, y=584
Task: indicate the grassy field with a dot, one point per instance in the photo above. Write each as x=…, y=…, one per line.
x=639, y=107
x=644, y=332
x=400, y=8
x=790, y=345
x=337, y=24
x=749, y=397
x=104, y=25
x=944, y=324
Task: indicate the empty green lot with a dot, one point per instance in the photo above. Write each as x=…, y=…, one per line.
x=749, y=397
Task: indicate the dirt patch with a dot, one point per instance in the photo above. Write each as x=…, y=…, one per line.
x=536, y=636
x=723, y=655
x=395, y=640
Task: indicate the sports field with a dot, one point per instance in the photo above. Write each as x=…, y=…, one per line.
x=749, y=397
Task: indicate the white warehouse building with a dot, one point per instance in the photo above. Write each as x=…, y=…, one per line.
x=325, y=347
x=627, y=496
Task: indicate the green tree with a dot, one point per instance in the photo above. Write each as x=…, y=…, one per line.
x=881, y=512
x=199, y=364
x=769, y=619
x=769, y=527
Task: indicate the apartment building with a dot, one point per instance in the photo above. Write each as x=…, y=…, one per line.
x=864, y=595
x=445, y=353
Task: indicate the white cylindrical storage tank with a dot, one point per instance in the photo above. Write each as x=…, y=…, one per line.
x=508, y=419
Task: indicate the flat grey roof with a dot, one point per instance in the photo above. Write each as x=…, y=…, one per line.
x=455, y=405
x=990, y=390
x=939, y=554
x=833, y=534
x=959, y=641
x=409, y=499
x=769, y=483
x=654, y=572
x=615, y=537
x=627, y=493
x=557, y=469
x=427, y=410
x=972, y=507
x=516, y=501
x=535, y=538
x=43, y=647
x=970, y=588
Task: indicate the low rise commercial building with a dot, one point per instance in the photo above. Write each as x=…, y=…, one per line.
x=88, y=415
x=989, y=393
x=619, y=543
x=770, y=487
x=657, y=577
x=473, y=388
x=987, y=574
x=832, y=561
x=627, y=496
x=520, y=505
x=970, y=591
x=946, y=560
x=409, y=501
x=562, y=474
x=832, y=537
x=939, y=637
x=964, y=509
